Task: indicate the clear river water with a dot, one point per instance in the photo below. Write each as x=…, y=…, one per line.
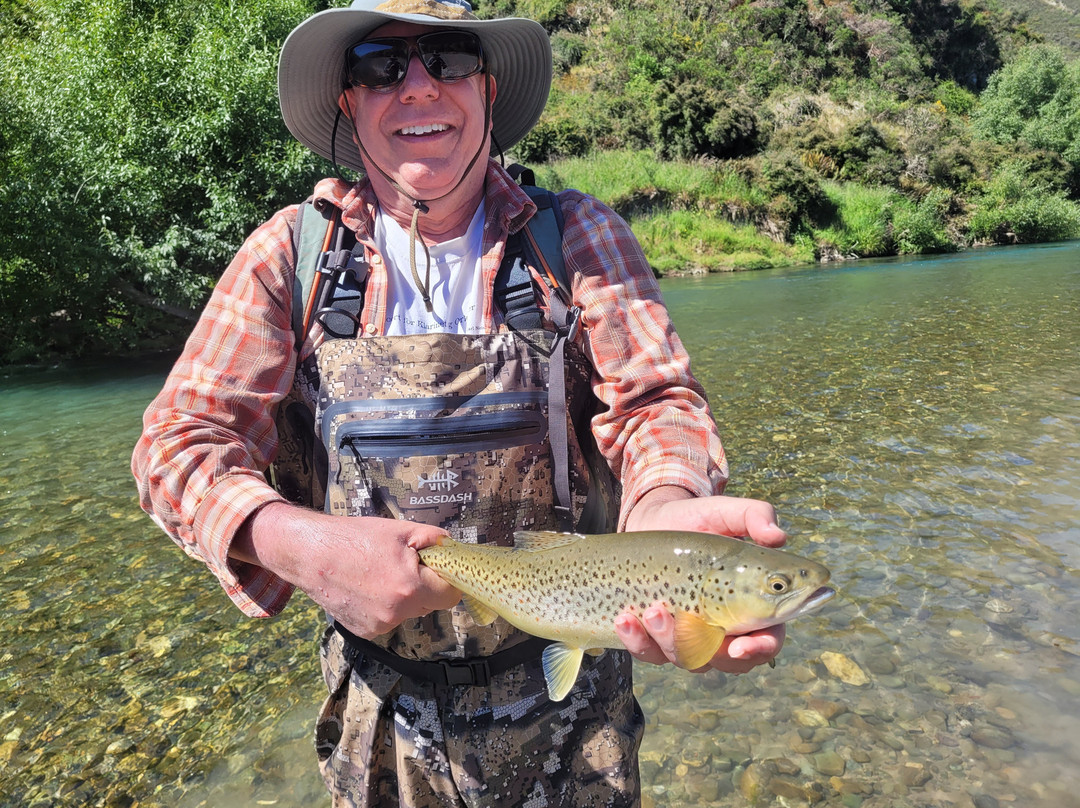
x=915, y=422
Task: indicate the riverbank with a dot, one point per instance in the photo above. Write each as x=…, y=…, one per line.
x=698, y=216
x=744, y=250
x=691, y=217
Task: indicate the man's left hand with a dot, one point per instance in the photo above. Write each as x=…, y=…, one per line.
x=651, y=638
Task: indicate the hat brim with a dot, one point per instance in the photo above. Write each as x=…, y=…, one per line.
x=517, y=51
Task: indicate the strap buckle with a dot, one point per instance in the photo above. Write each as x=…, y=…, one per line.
x=574, y=316
x=466, y=671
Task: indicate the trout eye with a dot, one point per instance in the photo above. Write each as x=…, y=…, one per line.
x=779, y=584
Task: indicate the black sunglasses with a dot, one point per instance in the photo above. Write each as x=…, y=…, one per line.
x=381, y=64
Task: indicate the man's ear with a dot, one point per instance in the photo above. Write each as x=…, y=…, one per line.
x=346, y=104
x=492, y=92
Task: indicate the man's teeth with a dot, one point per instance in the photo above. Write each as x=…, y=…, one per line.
x=424, y=130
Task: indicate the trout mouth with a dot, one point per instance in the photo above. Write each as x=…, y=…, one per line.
x=818, y=598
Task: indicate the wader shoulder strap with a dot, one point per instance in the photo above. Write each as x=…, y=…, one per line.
x=323, y=251
x=539, y=244
x=323, y=254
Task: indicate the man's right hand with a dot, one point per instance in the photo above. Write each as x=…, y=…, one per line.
x=365, y=571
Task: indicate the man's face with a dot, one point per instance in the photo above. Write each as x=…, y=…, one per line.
x=424, y=132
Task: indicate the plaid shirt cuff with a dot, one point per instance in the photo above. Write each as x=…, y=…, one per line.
x=672, y=472
x=233, y=498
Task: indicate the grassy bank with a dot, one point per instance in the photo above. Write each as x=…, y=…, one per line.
x=690, y=216
x=694, y=216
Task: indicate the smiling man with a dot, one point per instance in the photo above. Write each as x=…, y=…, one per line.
x=422, y=136
x=398, y=405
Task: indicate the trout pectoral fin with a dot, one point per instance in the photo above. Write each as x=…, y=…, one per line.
x=561, y=666
x=481, y=613
x=696, y=642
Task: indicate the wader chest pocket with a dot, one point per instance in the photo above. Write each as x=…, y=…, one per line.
x=478, y=466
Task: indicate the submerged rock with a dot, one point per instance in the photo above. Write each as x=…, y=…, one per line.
x=844, y=669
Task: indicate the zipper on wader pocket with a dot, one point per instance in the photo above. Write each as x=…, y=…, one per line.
x=402, y=437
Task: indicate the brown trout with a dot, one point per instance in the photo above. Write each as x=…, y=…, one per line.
x=570, y=588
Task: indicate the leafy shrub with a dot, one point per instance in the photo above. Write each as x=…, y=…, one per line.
x=921, y=227
x=1018, y=208
x=567, y=50
x=796, y=193
x=567, y=129
x=1026, y=221
x=864, y=154
x=953, y=164
x=956, y=99
x=795, y=111
x=696, y=121
x=896, y=62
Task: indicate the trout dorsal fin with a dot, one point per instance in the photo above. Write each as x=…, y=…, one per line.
x=536, y=540
x=561, y=666
x=696, y=642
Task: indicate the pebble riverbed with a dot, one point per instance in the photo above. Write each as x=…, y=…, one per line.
x=917, y=425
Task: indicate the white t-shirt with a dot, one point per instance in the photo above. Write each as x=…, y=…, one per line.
x=456, y=296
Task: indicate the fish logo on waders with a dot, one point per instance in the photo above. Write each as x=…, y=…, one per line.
x=440, y=480
x=440, y=485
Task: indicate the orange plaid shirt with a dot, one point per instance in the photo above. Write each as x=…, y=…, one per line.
x=209, y=434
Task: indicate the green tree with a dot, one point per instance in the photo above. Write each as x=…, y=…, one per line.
x=141, y=141
x=1035, y=99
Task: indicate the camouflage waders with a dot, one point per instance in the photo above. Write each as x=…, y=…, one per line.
x=453, y=430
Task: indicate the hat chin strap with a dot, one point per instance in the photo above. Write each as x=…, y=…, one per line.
x=421, y=205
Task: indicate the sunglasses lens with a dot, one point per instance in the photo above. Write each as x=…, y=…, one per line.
x=378, y=62
x=450, y=55
x=446, y=55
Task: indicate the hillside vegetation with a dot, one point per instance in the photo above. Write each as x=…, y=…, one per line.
x=140, y=141
x=761, y=133
x=1058, y=21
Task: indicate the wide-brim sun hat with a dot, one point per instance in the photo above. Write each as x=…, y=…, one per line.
x=517, y=52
